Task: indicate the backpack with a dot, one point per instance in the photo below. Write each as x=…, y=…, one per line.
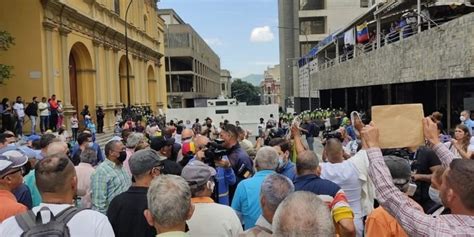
x=32, y=225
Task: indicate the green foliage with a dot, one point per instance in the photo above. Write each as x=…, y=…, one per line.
x=6, y=41
x=245, y=92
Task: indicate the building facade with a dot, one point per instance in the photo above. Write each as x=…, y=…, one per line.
x=270, y=86
x=76, y=50
x=303, y=24
x=226, y=83
x=430, y=62
x=192, y=67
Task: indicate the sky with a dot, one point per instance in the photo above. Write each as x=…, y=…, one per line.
x=243, y=33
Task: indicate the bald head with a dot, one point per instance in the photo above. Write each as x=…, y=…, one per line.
x=201, y=141
x=334, y=151
x=57, y=148
x=307, y=162
x=54, y=174
x=303, y=214
x=187, y=133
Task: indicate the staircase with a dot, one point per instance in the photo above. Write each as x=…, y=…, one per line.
x=103, y=138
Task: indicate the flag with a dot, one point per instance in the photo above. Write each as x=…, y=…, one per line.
x=362, y=33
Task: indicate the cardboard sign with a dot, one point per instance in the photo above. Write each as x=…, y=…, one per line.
x=399, y=126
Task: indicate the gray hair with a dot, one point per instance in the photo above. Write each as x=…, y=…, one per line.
x=266, y=159
x=169, y=200
x=275, y=188
x=303, y=214
x=89, y=156
x=306, y=161
x=133, y=139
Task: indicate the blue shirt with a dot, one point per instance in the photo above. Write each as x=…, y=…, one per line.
x=289, y=170
x=469, y=124
x=30, y=181
x=246, y=199
x=313, y=183
x=95, y=146
x=225, y=178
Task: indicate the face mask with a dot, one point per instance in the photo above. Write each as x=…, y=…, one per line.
x=11, y=145
x=122, y=157
x=462, y=118
x=91, y=145
x=434, y=195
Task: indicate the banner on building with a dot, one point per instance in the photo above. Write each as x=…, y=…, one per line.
x=349, y=37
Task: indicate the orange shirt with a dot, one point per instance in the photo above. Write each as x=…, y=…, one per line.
x=9, y=206
x=381, y=224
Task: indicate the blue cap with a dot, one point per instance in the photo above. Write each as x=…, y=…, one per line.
x=33, y=138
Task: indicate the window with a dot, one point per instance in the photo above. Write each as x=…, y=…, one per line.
x=117, y=6
x=145, y=23
x=305, y=47
x=313, y=25
x=223, y=86
x=222, y=103
x=223, y=111
x=364, y=3
x=311, y=4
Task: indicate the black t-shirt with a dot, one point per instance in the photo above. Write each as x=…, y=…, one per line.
x=425, y=158
x=125, y=213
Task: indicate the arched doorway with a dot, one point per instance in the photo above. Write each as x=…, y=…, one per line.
x=81, y=78
x=123, y=81
x=152, y=89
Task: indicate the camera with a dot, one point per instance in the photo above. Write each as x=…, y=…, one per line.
x=332, y=134
x=215, y=151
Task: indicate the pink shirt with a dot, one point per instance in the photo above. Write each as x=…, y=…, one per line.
x=84, y=172
x=126, y=166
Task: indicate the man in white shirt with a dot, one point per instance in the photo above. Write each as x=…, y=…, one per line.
x=19, y=112
x=44, y=114
x=223, y=218
x=346, y=175
x=57, y=182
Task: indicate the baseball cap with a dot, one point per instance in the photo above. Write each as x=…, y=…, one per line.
x=399, y=167
x=10, y=160
x=143, y=161
x=33, y=138
x=196, y=173
x=159, y=142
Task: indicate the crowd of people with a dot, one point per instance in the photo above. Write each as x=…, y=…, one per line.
x=204, y=179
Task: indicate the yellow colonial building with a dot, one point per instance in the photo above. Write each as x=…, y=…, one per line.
x=76, y=50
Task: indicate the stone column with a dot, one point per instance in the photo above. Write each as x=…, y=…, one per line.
x=49, y=52
x=116, y=77
x=136, y=75
x=63, y=32
x=108, y=76
x=98, y=79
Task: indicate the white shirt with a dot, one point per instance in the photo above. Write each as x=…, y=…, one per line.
x=212, y=219
x=43, y=108
x=85, y=223
x=19, y=109
x=84, y=172
x=346, y=176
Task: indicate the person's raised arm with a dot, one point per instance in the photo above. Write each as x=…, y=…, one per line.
x=295, y=133
x=430, y=130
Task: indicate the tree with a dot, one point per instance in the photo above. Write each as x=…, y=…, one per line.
x=245, y=92
x=6, y=41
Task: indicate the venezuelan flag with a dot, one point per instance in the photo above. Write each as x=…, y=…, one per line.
x=362, y=33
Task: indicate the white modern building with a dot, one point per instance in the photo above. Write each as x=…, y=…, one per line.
x=226, y=82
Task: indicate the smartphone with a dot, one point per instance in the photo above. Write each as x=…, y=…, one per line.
x=411, y=189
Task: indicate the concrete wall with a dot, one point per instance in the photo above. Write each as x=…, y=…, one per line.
x=440, y=53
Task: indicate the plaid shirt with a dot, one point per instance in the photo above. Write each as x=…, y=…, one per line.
x=414, y=221
x=108, y=181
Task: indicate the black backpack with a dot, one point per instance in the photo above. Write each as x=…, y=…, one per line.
x=32, y=225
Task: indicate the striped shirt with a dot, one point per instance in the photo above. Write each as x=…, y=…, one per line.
x=108, y=181
x=413, y=220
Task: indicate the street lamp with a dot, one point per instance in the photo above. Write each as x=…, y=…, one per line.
x=126, y=55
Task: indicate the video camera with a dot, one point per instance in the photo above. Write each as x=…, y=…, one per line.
x=215, y=151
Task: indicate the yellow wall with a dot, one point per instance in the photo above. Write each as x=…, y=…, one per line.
x=40, y=47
